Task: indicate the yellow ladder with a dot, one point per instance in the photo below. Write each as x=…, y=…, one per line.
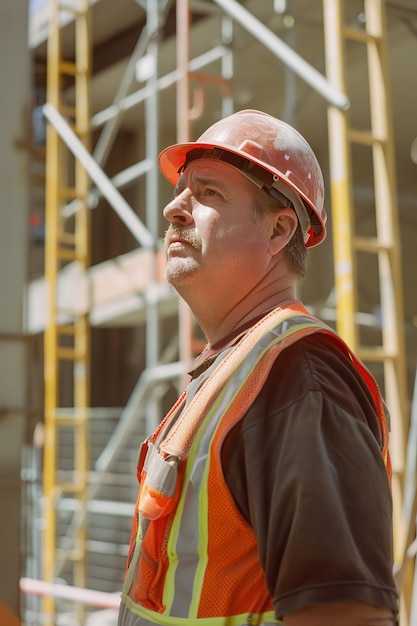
x=66, y=339
x=383, y=247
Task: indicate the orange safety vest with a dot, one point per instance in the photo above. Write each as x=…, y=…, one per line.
x=192, y=555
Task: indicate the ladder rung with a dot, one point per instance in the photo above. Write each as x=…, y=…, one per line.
x=66, y=238
x=71, y=487
x=377, y=354
x=67, y=110
x=359, y=35
x=71, y=416
x=68, y=67
x=69, y=193
x=90, y=413
x=66, y=354
x=67, y=418
x=370, y=244
x=70, y=421
x=76, y=554
x=66, y=254
x=68, y=313
x=363, y=137
x=66, y=329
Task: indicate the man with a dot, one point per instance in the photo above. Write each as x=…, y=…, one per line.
x=264, y=494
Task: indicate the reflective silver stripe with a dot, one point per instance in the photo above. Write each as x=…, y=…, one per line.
x=161, y=474
x=187, y=543
x=189, y=540
x=128, y=618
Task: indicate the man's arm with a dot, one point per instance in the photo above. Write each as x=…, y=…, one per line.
x=341, y=613
x=317, y=495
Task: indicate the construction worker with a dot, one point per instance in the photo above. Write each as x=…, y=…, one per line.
x=264, y=494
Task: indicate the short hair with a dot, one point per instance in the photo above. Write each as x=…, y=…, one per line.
x=296, y=251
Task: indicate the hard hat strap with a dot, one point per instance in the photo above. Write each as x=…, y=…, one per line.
x=298, y=205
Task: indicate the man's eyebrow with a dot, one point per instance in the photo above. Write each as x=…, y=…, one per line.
x=207, y=179
x=210, y=180
x=199, y=179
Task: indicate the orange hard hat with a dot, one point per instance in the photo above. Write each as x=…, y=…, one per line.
x=270, y=153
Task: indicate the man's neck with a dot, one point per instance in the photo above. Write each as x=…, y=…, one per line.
x=216, y=328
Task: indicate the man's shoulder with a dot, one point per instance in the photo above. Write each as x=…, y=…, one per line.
x=315, y=363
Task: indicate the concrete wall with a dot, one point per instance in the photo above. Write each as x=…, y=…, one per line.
x=14, y=130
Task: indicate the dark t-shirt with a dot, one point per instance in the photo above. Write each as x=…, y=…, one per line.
x=304, y=466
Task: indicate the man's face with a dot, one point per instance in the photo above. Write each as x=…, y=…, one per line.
x=214, y=239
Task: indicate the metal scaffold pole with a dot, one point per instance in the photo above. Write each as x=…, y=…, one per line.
x=186, y=114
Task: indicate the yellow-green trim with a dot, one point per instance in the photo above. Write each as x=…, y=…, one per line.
x=232, y=620
x=202, y=547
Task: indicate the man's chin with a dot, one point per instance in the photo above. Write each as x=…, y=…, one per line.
x=180, y=271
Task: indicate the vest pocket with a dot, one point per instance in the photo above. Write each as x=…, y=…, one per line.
x=152, y=567
x=159, y=493
x=159, y=485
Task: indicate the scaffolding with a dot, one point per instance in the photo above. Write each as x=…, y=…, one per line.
x=75, y=177
x=383, y=245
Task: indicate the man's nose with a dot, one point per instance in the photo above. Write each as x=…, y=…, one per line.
x=180, y=209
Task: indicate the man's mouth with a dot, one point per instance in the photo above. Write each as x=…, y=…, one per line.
x=174, y=236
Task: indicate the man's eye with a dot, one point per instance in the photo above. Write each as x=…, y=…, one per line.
x=211, y=192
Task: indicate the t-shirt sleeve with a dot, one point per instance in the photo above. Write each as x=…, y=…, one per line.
x=305, y=469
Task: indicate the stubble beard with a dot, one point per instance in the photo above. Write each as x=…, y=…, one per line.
x=180, y=269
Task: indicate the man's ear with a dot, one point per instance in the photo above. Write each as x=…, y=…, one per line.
x=284, y=225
